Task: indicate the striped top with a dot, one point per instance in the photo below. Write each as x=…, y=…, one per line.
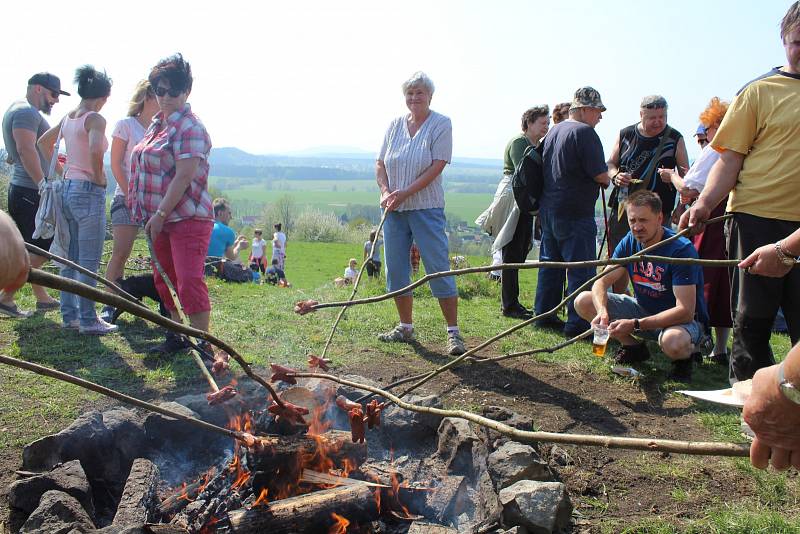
x=406, y=157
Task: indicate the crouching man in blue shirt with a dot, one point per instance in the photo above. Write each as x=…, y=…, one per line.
x=668, y=303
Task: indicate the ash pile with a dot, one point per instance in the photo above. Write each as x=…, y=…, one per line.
x=124, y=471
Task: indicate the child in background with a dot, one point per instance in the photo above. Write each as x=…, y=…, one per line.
x=258, y=250
x=350, y=274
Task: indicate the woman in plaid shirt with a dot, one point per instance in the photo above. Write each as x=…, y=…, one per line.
x=168, y=191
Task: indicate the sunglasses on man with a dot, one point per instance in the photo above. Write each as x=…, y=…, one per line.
x=161, y=91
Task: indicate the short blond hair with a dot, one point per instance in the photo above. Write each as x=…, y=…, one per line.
x=142, y=91
x=791, y=21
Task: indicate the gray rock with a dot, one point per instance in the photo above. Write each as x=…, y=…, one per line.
x=507, y=417
x=128, y=442
x=513, y=462
x=58, y=513
x=403, y=424
x=541, y=507
x=425, y=527
x=516, y=530
x=161, y=428
x=68, y=478
x=139, y=498
x=459, y=446
x=86, y=439
x=447, y=500
x=199, y=404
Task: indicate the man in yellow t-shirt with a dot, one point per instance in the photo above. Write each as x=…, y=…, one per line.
x=759, y=145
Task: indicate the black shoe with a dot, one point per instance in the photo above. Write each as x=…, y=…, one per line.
x=632, y=353
x=518, y=312
x=551, y=323
x=172, y=344
x=681, y=371
x=697, y=357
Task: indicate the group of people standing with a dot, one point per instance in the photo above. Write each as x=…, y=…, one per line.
x=159, y=159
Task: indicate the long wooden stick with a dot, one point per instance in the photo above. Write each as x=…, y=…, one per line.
x=355, y=284
x=524, y=266
x=611, y=442
x=64, y=377
x=42, y=278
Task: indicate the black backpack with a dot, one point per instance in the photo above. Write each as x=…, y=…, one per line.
x=527, y=181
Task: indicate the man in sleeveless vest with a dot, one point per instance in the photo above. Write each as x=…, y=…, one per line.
x=759, y=165
x=640, y=150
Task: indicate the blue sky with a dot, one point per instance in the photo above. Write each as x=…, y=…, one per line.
x=275, y=77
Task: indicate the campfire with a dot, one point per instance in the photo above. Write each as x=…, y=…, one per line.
x=351, y=468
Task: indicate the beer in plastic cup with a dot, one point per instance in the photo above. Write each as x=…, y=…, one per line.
x=599, y=341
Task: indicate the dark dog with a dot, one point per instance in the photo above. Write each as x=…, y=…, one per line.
x=140, y=286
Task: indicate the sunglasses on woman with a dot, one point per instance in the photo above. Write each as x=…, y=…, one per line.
x=161, y=91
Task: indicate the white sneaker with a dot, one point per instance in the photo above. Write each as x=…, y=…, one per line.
x=100, y=328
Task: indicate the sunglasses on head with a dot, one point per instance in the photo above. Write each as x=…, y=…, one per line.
x=161, y=91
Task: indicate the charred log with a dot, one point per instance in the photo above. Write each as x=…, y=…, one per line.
x=305, y=513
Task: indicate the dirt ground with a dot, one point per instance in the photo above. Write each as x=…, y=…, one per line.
x=605, y=484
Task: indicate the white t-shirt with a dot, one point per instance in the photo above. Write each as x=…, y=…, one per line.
x=258, y=246
x=350, y=273
x=280, y=245
x=698, y=174
x=131, y=131
x=406, y=157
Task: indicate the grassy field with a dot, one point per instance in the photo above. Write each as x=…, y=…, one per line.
x=330, y=195
x=259, y=322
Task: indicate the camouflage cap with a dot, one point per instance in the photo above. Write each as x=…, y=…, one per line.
x=587, y=97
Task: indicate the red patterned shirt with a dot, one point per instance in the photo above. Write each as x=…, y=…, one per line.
x=183, y=136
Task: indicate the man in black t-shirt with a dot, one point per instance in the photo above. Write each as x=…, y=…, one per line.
x=574, y=171
x=635, y=163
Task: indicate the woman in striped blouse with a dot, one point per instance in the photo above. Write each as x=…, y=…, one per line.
x=415, y=150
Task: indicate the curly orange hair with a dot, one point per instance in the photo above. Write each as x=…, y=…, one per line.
x=714, y=112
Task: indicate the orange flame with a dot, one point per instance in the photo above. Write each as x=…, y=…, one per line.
x=340, y=527
x=262, y=498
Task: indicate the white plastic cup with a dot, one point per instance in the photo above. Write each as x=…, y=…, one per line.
x=599, y=341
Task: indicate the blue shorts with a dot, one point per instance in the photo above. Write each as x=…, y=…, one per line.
x=426, y=228
x=626, y=307
x=120, y=214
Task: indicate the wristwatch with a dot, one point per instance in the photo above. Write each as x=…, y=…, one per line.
x=636, y=326
x=787, y=388
x=161, y=212
x=786, y=259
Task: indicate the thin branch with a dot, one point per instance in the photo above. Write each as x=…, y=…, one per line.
x=524, y=266
x=83, y=270
x=42, y=278
x=611, y=442
x=355, y=284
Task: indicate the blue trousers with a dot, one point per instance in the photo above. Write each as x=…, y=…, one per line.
x=564, y=239
x=85, y=212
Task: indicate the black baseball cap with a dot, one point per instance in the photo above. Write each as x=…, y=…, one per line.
x=50, y=81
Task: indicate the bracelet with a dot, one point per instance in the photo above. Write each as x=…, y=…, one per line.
x=783, y=257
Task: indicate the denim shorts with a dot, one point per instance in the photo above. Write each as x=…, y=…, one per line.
x=120, y=214
x=426, y=228
x=626, y=307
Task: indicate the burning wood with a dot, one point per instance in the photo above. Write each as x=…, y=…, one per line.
x=312, y=512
